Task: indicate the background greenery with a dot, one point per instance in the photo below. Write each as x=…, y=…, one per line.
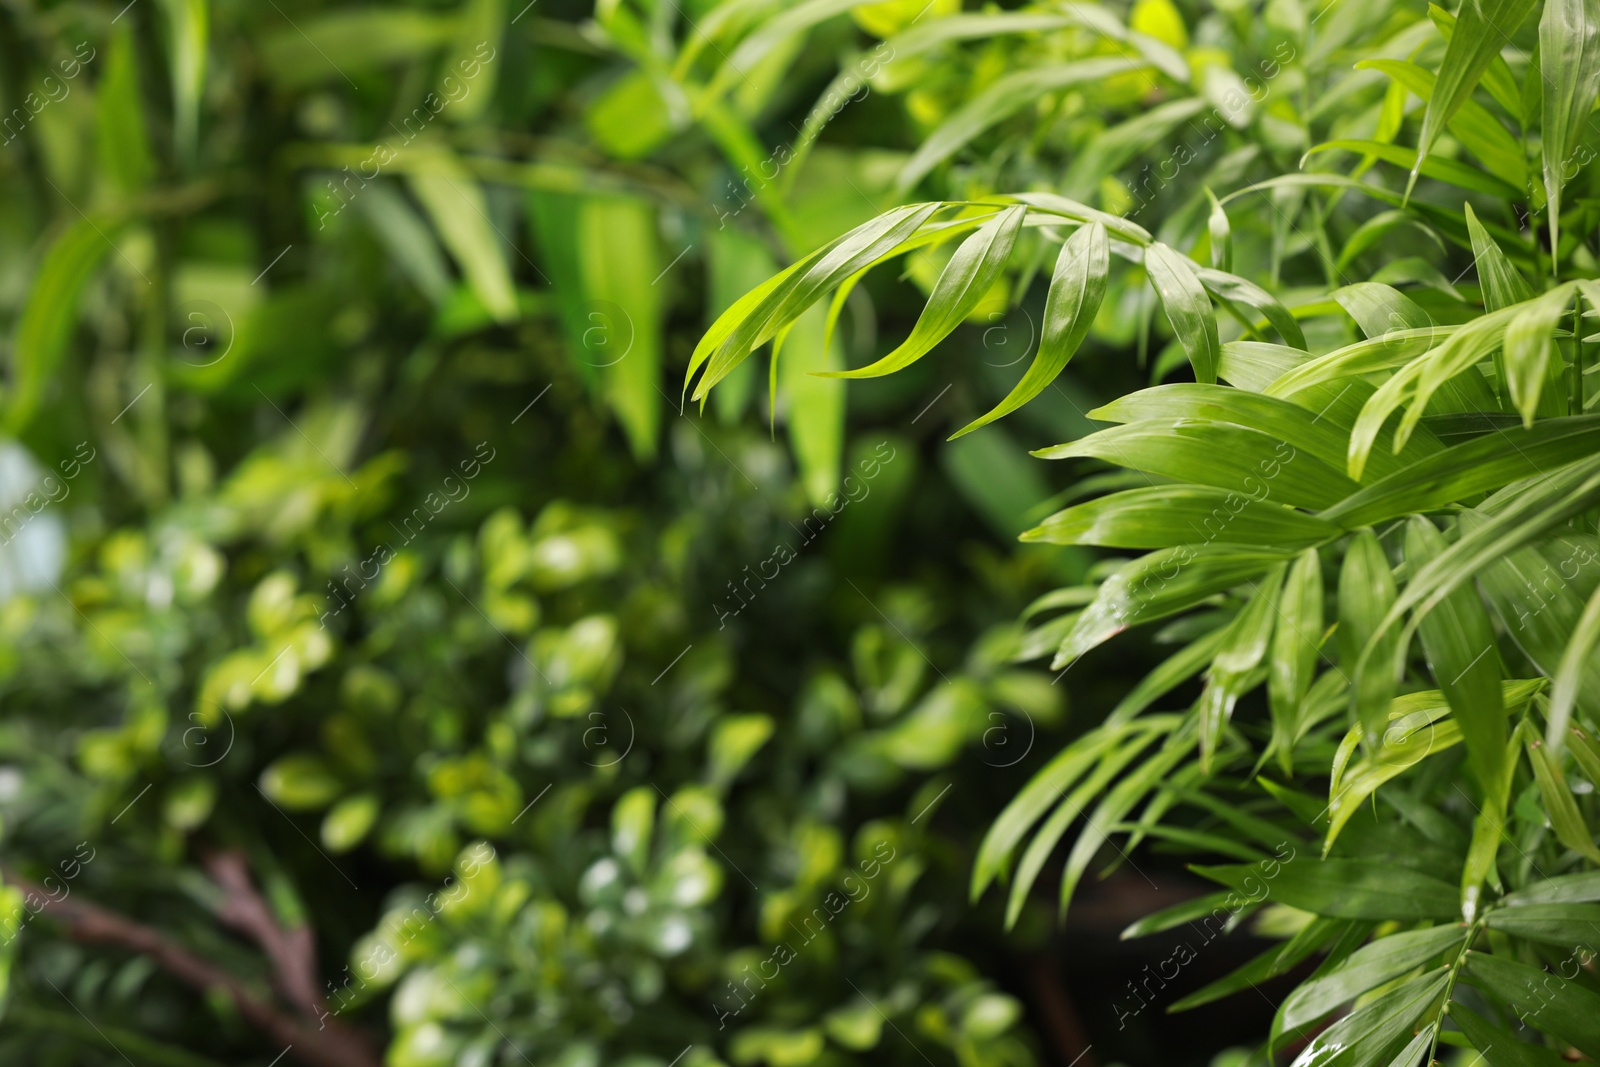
x=402, y=665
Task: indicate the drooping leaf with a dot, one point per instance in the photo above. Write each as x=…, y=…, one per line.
x=1295, y=647
x=1559, y=805
x=1234, y=667
x=1530, y=349
x=963, y=283
x=1158, y=585
x=1076, y=291
x=1188, y=308
x=1045, y=789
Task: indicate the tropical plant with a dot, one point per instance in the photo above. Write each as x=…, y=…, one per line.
x=337, y=547
x=1376, y=549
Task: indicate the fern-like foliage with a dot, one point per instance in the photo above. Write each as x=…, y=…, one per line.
x=1378, y=550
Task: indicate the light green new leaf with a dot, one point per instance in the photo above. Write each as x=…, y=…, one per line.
x=965, y=281
x=1366, y=595
x=1559, y=806
x=1530, y=348
x=619, y=259
x=1221, y=234
x=815, y=412
x=1569, y=62
x=1188, y=308
x=1295, y=646
x=1503, y=285
x=123, y=148
x=1569, y=675
x=1076, y=290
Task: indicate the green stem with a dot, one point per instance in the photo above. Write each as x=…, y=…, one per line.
x=1450, y=984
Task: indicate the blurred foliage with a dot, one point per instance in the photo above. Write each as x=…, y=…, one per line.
x=359, y=539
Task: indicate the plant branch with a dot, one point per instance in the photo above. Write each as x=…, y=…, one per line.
x=325, y=1044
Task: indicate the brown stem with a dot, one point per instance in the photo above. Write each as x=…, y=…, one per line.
x=314, y=1041
x=293, y=952
x=1060, y=1017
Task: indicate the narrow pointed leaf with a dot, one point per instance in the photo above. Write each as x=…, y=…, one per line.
x=1543, y=1000
x=963, y=283
x=1482, y=30
x=1530, y=348
x=1559, y=805
x=1169, y=515
x=1569, y=60
x=1187, y=306
x=1076, y=291
x=1459, y=641
x=1381, y=961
